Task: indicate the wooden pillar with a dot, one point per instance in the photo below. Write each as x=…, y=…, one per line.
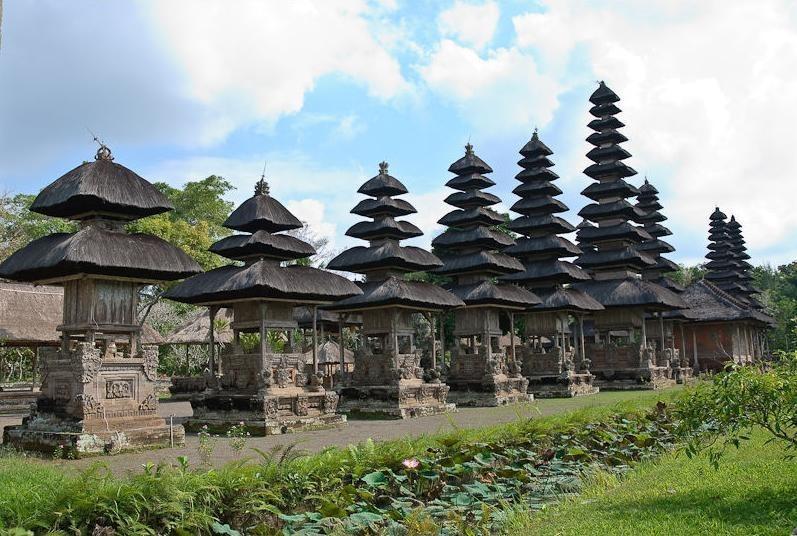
x=581, y=336
x=512, y=334
x=315, y=338
x=263, y=333
x=683, y=340
x=661, y=328
x=442, y=337
x=694, y=349
x=644, y=332
x=212, y=338
x=341, y=348
x=430, y=318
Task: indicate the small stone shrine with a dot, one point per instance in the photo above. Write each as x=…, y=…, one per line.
x=625, y=361
x=98, y=388
x=561, y=369
x=480, y=373
x=271, y=387
x=388, y=379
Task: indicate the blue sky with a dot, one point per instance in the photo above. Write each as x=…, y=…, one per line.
x=323, y=91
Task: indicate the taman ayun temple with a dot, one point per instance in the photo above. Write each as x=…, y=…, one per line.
x=480, y=373
x=271, y=387
x=97, y=389
x=388, y=379
x=534, y=314
x=560, y=367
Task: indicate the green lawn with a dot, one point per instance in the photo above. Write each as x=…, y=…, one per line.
x=754, y=492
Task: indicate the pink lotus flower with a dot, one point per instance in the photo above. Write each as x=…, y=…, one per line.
x=411, y=463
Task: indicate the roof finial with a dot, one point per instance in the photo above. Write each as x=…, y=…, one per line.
x=383, y=167
x=646, y=180
x=103, y=153
x=468, y=148
x=261, y=186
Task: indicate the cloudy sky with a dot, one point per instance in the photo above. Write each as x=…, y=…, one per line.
x=325, y=90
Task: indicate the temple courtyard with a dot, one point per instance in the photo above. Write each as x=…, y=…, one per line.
x=356, y=431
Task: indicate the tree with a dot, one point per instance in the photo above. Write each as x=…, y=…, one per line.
x=18, y=225
x=779, y=295
x=686, y=275
x=320, y=243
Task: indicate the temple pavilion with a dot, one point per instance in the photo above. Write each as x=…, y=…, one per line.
x=265, y=381
x=626, y=361
x=561, y=368
x=98, y=387
x=480, y=372
x=388, y=379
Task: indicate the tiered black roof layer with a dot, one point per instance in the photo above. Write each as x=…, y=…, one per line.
x=262, y=277
x=104, y=195
x=739, y=254
x=385, y=254
x=541, y=249
x=469, y=245
x=721, y=268
x=614, y=244
x=648, y=203
x=615, y=239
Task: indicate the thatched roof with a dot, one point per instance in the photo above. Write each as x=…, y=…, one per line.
x=551, y=271
x=479, y=237
x=29, y=316
x=631, y=292
x=469, y=163
x=382, y=184
x=567, y=299
x=708, y=303
x=304, y=317
x=398, y=292
x=488, y=262
x=471, y=216
x=472, y=198
x=329, y=353
x=98, y=251
x=265, y=280
x=490, y=294
x=262, y=213
x=618, y=188
x=262, y=243
x=383, y=206
x=383, y=227
x=197, y=329
x=388, y=254
x=100, y=187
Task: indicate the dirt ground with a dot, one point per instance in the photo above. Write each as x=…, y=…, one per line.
x=354, y=432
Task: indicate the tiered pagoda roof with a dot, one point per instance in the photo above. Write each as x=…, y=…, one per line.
x=261, y=275
x=102, y=196
x=740, y=256
x=709, y=303
x=648, y=203
x=722, y=268
x=541, y=249
x=384, y=260
x=616, y=262
x=470, y=246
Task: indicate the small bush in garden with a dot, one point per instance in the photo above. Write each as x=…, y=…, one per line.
x=206, y=445
x=238, y=436
x=726, y=408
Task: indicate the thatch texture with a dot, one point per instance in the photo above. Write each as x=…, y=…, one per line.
x=383, y=227
x=262, y=213
x=97, y=251
x=489, y=294
x=708, y=303
x=631, y=292
x=382, y=184
x=397, y=292
x=29, y=316
x=261, y=243
x=100, y=187
x=264, y=280
x=384, y=205
x=489, y=262
x=388, y=254
x=197, y=329
x=567, y=299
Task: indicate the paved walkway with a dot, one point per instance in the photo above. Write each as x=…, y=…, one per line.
x=355, y=431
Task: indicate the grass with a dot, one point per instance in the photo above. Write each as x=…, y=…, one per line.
x=34, y=494
x=754, y=492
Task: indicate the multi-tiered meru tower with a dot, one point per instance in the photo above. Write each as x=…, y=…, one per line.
x=662, y=330
x=98, y=389
x=480, y=373
x=388, y=378
x=622, y=357
x=561, y=367
x=270, y=387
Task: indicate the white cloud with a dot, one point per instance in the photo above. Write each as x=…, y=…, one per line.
x=502, y=91
x=708, y=94
x=472, y=24
x=256, y=60
x=312, y=212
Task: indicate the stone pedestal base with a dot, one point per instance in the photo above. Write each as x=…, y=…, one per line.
x=500, y=391
x=640, y=379
x=683, y=374
x=46, y=434
x=403, y=401
x=17, y=402
x=278, y=411
x=563, y=386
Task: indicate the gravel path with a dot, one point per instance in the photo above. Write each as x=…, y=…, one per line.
x=355, y=431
